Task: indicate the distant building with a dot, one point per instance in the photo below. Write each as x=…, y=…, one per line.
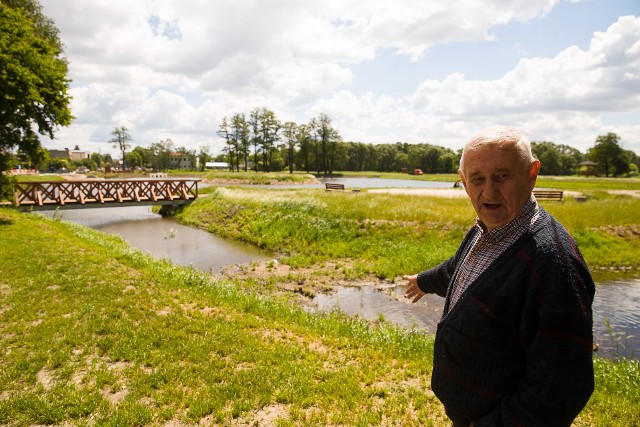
x=216, y=165
x=589, y=168
x=182, y=161
x=69, y=154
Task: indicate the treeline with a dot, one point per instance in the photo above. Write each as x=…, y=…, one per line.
x=262, y=143
x=158, y=156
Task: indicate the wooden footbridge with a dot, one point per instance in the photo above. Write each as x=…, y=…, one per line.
x=48, y=195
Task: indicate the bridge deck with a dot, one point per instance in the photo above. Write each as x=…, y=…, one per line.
x=97, y=193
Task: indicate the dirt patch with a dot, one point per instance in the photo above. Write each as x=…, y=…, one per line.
x=304, y=282
x=230, y=181
x=46, y=378
x=440, y=192
x=624, y=231
x=632, y=193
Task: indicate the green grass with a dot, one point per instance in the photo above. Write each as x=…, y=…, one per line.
x=22, y=178
x=588, y=184
x=258, y=178
x=138, y=341
x=93, y=332
x=391, y=235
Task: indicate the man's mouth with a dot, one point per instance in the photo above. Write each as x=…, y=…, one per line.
x=492, y=205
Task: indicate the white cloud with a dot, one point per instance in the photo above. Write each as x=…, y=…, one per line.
x=170, y=69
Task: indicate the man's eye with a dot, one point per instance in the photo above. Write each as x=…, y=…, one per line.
x=477, y=181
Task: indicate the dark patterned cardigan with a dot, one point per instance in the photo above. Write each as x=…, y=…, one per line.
x=516, y=350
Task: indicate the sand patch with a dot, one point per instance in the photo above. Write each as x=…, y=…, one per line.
x=439, y=192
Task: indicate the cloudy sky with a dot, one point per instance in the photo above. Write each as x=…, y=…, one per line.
x=414, y=71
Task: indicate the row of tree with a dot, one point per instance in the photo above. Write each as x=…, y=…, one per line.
x=317, y=147
x=265, y=141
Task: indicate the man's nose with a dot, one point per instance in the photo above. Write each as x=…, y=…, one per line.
x=490, y=189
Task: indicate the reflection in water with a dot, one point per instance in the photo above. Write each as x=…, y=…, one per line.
x=617, y=302
x=164, y=238
x=371, y=304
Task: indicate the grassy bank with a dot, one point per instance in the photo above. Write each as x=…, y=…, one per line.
x=390, y=234
x=93, y=332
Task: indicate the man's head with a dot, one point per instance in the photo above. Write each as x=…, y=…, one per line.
x=499, y=172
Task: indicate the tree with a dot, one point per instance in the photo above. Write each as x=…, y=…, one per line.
x=134, y=159
x=121, y=140
x=33, y=82
x=145, y=156
x=290, y=133
x=204, y=155
x=556, y=159
x=161, y=154
x=97, y=159
x=256, y=137
x=224, y=131
x=609, y=154
x=241, y=138
x=304, y=142
x=327, y=139
x=270, y=128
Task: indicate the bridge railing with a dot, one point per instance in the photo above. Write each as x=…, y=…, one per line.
x=81, y=192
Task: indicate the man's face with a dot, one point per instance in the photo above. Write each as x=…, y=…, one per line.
x=498, y=183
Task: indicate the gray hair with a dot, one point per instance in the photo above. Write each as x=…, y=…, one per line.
x=501, y=136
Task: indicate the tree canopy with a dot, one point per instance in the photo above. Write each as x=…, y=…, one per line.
x=610, y=155
x=34, y=85
x=121, y=139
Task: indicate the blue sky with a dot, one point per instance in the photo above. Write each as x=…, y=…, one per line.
x=565, y=25
x=384, y=71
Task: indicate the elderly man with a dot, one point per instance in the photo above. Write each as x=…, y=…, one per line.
x=513, y=346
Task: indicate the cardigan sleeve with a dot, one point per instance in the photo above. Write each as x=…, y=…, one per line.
x=437, y=279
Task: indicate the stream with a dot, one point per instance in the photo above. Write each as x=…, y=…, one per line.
x=615, y=308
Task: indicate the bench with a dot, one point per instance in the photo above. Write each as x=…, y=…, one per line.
x=548, y=195
x=338, y=187
x=329, y=186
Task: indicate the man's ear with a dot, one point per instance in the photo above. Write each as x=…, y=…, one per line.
x=464, y=181
x=534, y=170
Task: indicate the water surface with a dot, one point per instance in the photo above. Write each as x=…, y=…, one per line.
x=166, y=238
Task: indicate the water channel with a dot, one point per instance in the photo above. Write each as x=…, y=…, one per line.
x=616, y=302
